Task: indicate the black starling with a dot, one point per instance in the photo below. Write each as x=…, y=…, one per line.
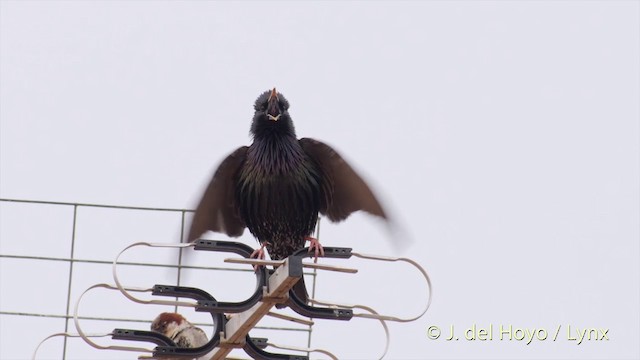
x=277, y=186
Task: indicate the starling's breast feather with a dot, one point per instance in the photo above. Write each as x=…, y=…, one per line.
x=279, y=205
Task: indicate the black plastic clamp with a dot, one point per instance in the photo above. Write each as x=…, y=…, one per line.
x=241, y=249
x=299, y=306
x=254, y=348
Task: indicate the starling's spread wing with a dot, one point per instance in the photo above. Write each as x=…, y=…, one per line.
x=217, y=210
x=347, y=191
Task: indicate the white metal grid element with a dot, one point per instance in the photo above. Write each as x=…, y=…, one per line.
x=30, y=257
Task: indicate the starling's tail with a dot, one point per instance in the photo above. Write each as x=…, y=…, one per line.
x=299, y=289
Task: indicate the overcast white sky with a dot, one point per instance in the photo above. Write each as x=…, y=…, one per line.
x=503, y=136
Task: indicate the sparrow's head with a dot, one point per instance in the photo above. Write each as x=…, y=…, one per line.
x=167, y=323
x=271, y=115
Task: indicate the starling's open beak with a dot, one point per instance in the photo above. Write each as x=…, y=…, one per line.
x=273, y=109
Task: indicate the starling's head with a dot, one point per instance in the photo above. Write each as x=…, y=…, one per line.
x=271, y=115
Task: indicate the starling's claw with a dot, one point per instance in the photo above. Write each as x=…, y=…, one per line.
x=314, y=245
x=258, y=254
